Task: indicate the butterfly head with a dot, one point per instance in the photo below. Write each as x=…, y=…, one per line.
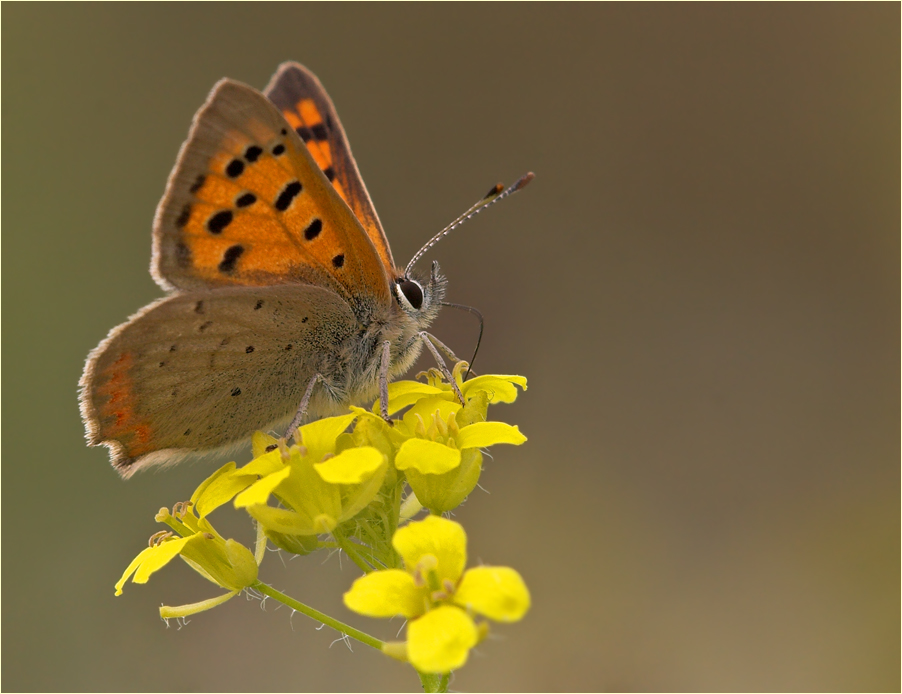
x=420, y=297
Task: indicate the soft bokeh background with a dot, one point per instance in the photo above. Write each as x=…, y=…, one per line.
x=701, y=285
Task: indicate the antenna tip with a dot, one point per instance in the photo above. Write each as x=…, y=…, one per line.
x=496, y=189
x=524, y=180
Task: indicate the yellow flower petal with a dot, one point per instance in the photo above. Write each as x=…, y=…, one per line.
x=386, y=594
x=136, y=562
x=484, y=434
x=259, y=492
x=218, y=489
x=158, y=557
x=260, y=442
x=499, y=388
x=441, y=639
x=404, y=393
x=263, y=465
x=319, y=437
x=351, y=467
x=498, y=592
x=428, y=457
x=439, y=537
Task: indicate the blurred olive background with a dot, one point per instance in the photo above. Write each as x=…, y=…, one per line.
x=701, y=285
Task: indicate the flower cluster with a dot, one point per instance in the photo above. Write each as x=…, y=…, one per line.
x=356, y=482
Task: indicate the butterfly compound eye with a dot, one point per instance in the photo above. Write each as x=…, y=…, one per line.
x=412, y=292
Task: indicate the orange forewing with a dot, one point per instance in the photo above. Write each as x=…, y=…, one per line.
x=302, y=100
x=247, y=204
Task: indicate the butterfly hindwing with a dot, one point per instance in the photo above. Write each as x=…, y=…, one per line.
x=307, y=107
x=247, y=205
x=203, y=369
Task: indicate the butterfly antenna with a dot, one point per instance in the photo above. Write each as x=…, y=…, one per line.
x=497, y=193
x=476, y=313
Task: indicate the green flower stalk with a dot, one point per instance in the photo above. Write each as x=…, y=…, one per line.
x=356, y=482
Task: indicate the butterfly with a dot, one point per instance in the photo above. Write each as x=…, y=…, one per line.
x=283, y=296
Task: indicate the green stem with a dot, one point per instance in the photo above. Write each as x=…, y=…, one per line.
x=340, y=627
x=348, y=548
x=433, y=682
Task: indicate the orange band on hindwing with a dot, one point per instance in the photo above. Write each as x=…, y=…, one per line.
x=117, y=416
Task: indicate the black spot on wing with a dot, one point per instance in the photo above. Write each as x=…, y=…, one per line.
x=313, y=229
x=230, y=258
x=252, y=153
x=184, y=216
x=235, y=168
x=198, y=183
x=287, y=196
x=338, y=260
x=245, y=200
x=219, y=221
x=278, y=150
x=236, y=391
x=330, y=173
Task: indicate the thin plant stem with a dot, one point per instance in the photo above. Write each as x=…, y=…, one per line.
x=349, y=549
x=340, y=627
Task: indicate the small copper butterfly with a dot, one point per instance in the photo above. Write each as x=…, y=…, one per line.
x=283, y=294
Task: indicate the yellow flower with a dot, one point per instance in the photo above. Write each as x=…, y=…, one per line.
x=226, y=563
x=438, y=439
x=319, y=485
x=438, y=595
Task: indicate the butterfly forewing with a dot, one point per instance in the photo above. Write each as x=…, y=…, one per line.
x=248, y=205
x=307, y=107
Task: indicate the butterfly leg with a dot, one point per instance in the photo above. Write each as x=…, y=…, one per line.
x=383, y=381
x=302, y=408
x=448, y=353
x=427, y=340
